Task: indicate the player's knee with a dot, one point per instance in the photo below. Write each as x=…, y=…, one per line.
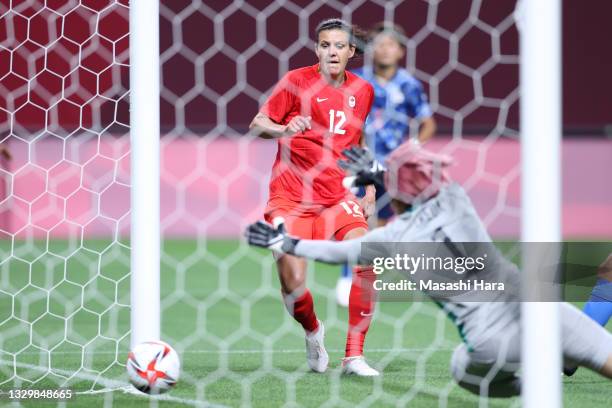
x=473, y=376
x=459, y=363
x=291, y=283
x=507, y=387
x=292, y=273
x=606, y=370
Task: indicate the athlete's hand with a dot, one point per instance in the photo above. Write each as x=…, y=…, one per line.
x=361, y=164
x=298, y=124
x=368, y=202
x=264, y=235
x=359, y=159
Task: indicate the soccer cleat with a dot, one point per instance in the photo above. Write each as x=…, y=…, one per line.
x=343, y=290
x=569, y=371
x=358, y=366
x=317, y=357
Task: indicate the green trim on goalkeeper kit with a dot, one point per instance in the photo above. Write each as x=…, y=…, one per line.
x=453, y=319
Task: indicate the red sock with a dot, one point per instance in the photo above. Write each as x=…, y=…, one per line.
x=361, y=307
x=302, y=309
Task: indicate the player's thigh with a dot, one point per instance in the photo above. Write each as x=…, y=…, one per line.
x=337, y=221
x=493, y=332
x=584, y=342
x=299, y=221
x=607, y=368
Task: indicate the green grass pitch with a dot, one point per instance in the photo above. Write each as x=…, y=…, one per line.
x=222, y=312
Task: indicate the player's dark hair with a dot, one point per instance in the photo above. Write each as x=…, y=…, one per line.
x=390, y=28
x=357, y=37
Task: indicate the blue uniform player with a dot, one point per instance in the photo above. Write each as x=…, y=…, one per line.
x=399, y=99
x=599, y=306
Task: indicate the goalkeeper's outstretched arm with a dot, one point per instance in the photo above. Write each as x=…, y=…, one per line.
x=330, y=252
x=264, y=235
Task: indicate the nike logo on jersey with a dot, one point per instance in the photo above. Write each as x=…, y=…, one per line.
x=366, y=314
x=321, y=99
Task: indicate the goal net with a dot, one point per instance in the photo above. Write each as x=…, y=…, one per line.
x=64, y=200
x=65, y=195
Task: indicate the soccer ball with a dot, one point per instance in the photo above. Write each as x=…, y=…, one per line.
x=153, y=367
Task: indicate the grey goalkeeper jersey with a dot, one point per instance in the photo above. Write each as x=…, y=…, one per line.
x=449, y=218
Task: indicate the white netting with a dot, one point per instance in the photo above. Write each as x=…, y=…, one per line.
x=64, y=271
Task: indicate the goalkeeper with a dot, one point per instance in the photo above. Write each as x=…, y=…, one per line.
x=431, y=208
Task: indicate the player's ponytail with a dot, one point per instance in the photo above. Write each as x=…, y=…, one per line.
x=358, y=38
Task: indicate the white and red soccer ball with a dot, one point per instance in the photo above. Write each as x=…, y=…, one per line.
x=153, y=367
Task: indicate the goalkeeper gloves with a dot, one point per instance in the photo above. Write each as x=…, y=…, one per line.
x=264, y=235
x=365, y=169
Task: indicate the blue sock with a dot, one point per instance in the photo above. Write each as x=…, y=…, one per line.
x=346, y=271
x=599, y=306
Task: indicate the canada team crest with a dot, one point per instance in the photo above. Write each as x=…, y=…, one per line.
x=351, y=101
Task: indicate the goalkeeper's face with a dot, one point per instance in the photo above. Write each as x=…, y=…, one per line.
x=334, y=50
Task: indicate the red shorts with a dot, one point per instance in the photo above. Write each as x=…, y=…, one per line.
x=316, y=221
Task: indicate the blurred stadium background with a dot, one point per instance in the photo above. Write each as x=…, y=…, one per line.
x=65, y=193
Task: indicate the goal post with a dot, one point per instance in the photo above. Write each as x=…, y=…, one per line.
x=539, y=25
x=92, y=189
x=145, y=171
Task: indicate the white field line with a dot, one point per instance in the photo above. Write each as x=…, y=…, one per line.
x=117, y=386
x=256, y=351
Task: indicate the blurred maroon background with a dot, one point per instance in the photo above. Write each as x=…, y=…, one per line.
x=64, y=66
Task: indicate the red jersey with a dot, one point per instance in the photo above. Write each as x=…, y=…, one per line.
x=306, y=169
